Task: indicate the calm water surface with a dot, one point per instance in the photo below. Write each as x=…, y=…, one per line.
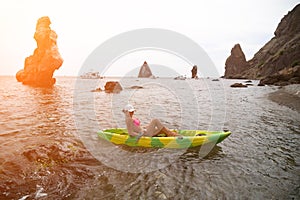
x=50, y=150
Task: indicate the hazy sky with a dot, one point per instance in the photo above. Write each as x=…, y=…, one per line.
x=82, y=25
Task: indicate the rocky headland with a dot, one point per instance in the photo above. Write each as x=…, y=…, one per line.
x=277, y=62
x=39, y=67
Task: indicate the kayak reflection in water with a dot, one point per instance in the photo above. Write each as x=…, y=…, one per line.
x=153, y=129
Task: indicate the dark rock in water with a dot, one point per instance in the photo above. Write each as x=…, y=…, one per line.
x=145, y=71
x=249, y=84
x=136, y=87
x=236, y=63
x=281, y=52
x=113, y=87
x=194, y=71
x=249, y=81
x=110, y=87
x=39, y=67
x=97, y=90
x=238, y=85
x=215, y=79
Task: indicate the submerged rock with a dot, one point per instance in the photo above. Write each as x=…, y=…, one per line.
x=97, y=90
x=238, y=85
x=145, y=71
x=39, y=67
x=136, y=87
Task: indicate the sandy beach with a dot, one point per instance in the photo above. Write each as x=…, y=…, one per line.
x=287, y=96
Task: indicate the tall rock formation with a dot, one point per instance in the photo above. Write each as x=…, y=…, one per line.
x=194, y=71
x=145, y=71
x=280, y=57
x=236, y=63
x=39, y=67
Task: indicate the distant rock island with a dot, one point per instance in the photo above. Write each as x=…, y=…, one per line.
x=39, y=67
x=145, y=71
x=277, y=62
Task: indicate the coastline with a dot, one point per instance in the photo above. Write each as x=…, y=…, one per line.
x=288, y=96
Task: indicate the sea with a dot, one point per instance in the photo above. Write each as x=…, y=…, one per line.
x=49, y=147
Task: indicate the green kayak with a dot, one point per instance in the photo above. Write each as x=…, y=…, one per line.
x=190, y=138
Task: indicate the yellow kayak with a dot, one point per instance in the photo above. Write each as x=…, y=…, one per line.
x=190, y=138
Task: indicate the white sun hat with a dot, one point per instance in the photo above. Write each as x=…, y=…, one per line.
x=129, y=108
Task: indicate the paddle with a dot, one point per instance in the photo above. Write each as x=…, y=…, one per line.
x=138, y=137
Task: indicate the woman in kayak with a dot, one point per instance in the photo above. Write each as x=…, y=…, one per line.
x=154, y=128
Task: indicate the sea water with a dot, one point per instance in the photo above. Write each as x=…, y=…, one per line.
x=50, y=148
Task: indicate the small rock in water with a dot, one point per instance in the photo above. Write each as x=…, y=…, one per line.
x=113, y=87
x=136, y=87
x=238, y=85
x=97, y=90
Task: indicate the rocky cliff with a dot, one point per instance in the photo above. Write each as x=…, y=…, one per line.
x=39, y=67
x=280, y=55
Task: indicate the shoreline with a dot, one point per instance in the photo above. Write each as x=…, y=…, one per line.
x=288, y=96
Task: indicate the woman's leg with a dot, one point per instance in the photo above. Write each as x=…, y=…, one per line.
x=156, y=127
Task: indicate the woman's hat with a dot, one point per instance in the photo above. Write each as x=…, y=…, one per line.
x=129, y=108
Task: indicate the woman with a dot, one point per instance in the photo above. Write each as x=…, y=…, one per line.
x=153, y=129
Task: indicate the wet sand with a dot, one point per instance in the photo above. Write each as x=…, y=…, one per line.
x=287, y=96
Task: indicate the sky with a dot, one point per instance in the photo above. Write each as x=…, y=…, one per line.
x=83, y=25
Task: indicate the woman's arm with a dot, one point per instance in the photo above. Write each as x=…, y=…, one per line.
x=129, y=124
